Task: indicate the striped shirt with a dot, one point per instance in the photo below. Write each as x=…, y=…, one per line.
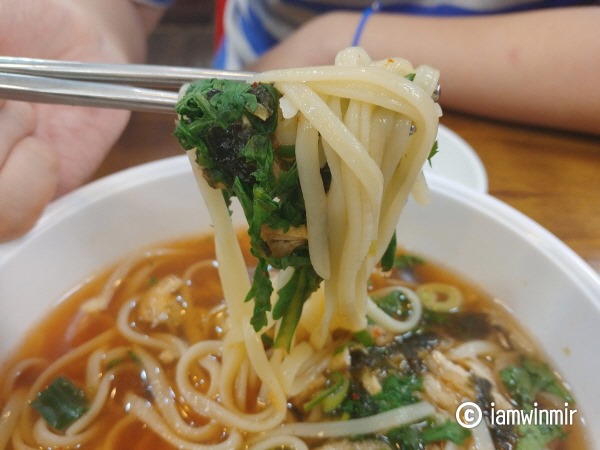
x=254, y=26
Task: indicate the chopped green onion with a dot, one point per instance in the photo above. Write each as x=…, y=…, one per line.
x=440, y=297
x=332, y=396
x=61, y=403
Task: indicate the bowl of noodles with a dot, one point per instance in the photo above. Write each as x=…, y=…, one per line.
x=549, y=292
x=151, y=309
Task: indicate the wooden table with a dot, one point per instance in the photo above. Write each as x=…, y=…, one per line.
x=552, y=177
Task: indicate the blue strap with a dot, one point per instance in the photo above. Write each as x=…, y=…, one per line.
x=156, y=3
x=363, y=21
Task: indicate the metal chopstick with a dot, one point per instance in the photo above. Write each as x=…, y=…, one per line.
x=147, y=75
x=117, y=86
x=84, y=93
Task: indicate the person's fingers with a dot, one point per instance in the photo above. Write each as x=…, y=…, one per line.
x=81, y=138
x=28, y=182
x=45, y=151
x=17, y=120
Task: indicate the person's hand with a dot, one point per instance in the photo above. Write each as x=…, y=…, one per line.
x=47, y=150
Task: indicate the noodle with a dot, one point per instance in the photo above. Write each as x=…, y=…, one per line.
x=394, y=418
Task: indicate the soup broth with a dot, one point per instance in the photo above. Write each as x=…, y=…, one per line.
x=120, y=337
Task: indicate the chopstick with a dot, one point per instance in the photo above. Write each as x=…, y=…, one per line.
x=119, y=86
x=147, y=75
x=100, y=85
x=81, y=93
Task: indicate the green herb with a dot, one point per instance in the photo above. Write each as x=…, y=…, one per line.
x=417, y=437
x=447, y=431
x=434, y=150
x=364, y=337
x=395, y=304
x=131, y=357
x=397, y=391
x=230, y=125
x=537, y=437
x=403, y=262
x=332, y=395
x=405, y=438
x=387, y=260
x=524, y=383
x=358, y=403
x=291, y=299
x=266, y=340
x=61, y=403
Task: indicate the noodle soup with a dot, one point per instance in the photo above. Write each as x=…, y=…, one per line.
x=144, y=343
x=333, y=340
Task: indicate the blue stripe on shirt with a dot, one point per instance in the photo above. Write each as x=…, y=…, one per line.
x=256, y=34
x=441, y=9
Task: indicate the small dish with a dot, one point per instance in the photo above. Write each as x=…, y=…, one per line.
x=457, y=161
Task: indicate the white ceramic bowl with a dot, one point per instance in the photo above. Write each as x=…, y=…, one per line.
x=554, y=294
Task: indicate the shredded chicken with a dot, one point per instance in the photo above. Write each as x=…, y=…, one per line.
x=282, y=244
x=370, y=382
x=161, y=304
x=439, y=394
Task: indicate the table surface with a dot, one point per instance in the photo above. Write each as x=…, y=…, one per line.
x=550, y=176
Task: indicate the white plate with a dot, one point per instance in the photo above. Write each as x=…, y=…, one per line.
x=457, y=161
x=552, y=291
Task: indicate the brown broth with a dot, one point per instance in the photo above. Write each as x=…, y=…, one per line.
x=66, y=327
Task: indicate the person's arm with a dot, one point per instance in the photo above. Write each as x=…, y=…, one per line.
x=538, y=67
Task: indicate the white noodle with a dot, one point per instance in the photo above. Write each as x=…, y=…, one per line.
x=376, y=314
x=481, y=437
x=379, y=422
x=46, y=437
x=95, y=407
x=144, y=411
x=10, y=415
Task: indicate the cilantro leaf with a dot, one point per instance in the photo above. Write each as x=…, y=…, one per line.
x=537, y=437
x=526, y=381
x=416, y=437
x=397, y=391
x=447, y=431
